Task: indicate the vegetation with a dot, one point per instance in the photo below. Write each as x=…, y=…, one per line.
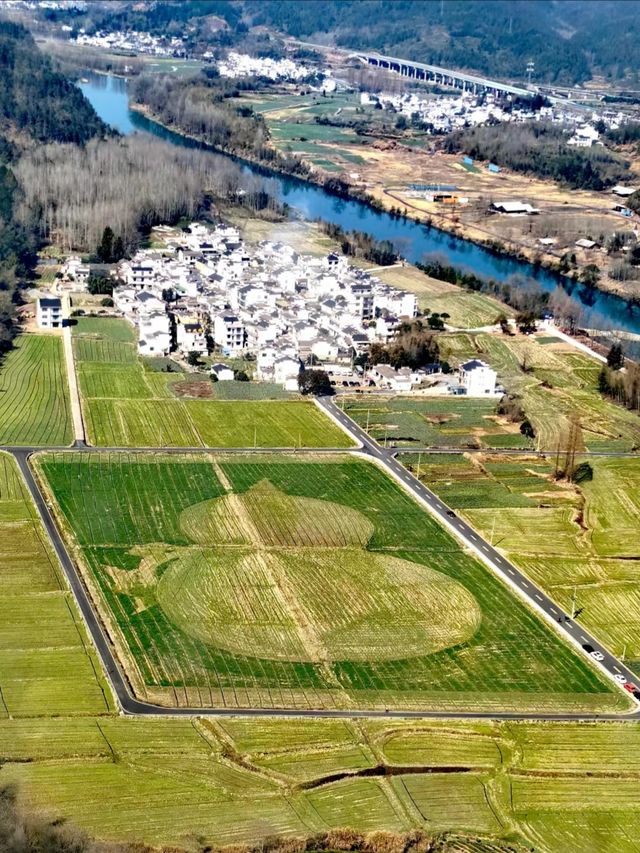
x=314, y=382
x=34, y=403
x=357, y=244
x=564, y=535
x=127, y=406
x=413, y=346
x=275, y=528
x=540, y=149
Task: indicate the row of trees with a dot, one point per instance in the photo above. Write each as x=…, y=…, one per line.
x=357, y=244
x=71, y=194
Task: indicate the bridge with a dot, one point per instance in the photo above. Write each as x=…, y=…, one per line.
x=444, y=76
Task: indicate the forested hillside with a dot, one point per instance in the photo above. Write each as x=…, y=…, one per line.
x=37, y=104
x=567, y=39
x=35, y=100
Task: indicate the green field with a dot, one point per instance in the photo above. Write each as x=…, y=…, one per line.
x=435, y=422
x=276, y=582
x=555, y=383
x=126, y=405
x=46, y=665
x=34, y=398
x=565, y=538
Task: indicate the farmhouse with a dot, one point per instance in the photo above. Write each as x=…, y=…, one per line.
x=222, y=372
x=514, y=208
x=49, y=312
x=476, y=378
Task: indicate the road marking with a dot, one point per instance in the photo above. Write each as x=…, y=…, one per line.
x=553, y=610
x=569, y=625
x=511, y=572
x=582, y=637
x=524, y=583
x=485, y=547
x=539, y=597
x=617, y=668
x=472, y=536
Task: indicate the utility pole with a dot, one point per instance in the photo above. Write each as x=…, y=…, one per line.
x=573, y=602
x=419, y=462
x=624, y=651
x=255, y=435
x=367, y=427
x=493, y=530
x=531, y=66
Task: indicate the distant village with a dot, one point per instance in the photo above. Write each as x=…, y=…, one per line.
x=206, y=289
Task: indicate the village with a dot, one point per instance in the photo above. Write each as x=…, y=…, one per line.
x=206, y=291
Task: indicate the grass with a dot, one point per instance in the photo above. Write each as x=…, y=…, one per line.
x=563, y=537
x=126, y=405
x=331, y=587
x=34, y=398
x=436, y=422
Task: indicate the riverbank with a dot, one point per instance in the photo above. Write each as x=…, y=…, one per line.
x=380, y=198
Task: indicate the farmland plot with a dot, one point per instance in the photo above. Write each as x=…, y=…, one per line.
x=565, y=538
x=34, y=398
x=127, y=406
x=270, y=582
x=46, y=664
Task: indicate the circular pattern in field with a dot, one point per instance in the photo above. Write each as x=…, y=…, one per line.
x=315, y=604
x=266, y=517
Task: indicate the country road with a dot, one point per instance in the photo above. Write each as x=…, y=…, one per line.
x=121, y=687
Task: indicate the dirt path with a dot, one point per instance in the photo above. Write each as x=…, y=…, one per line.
x=74, y=394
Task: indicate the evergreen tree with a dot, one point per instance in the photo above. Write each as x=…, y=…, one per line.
x=615, y=357
x=105, y=247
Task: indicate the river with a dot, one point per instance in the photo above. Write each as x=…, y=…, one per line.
x=108, y=95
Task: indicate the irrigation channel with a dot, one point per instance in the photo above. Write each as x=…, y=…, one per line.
x=414, y=241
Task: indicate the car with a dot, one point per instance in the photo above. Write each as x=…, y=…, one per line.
x=619, y=677
x=451, y=513
x=630, y=687
x=597, y=655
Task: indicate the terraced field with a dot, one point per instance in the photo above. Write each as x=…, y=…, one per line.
x=34, y=398
x=127, y=406
x=567, y=539
x=271, y=582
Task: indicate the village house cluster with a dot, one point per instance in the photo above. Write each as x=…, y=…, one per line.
x=243, y=65
x=207, y=287
x=137, y=42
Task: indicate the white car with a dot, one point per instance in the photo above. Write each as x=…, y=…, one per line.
x=619, y=677
x=597, y=655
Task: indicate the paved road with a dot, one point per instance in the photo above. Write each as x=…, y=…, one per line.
x=610, y=665
x=121, y=686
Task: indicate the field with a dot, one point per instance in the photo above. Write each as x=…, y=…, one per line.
x=555, y=382
x=126, y=405
x=568, y=540
x=435, y=422
x=466, y=310
x=45, y=662
x=271, y=582
x=34, y=398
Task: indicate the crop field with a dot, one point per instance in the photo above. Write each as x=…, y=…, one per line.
x=466, y=310
x=565, y=538
x=555, y=383
x=34, y=398
x=42, y=641
x=273, y=582
x=127, y=406
x=164, y=781
x=435, y=422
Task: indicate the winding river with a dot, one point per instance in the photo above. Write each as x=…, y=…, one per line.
x=414, y=241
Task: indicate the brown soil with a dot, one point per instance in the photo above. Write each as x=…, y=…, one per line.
x=198, y=388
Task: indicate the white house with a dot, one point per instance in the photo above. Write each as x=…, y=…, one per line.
x=584, y=137
x=229, y=332
x=222, y=371
x=286, y=371
x=49, y=312
x=190, y=335
x=477, y=378
x=154, y=334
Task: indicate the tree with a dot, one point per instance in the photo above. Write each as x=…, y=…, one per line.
x=118, y=250
x=107, y=302
x=99, y=284
x=193, y=358
x=241, y=376
x=105, y=246
x=590, y=275
x=314, y=382
x=526, y=428
x=615, y=357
